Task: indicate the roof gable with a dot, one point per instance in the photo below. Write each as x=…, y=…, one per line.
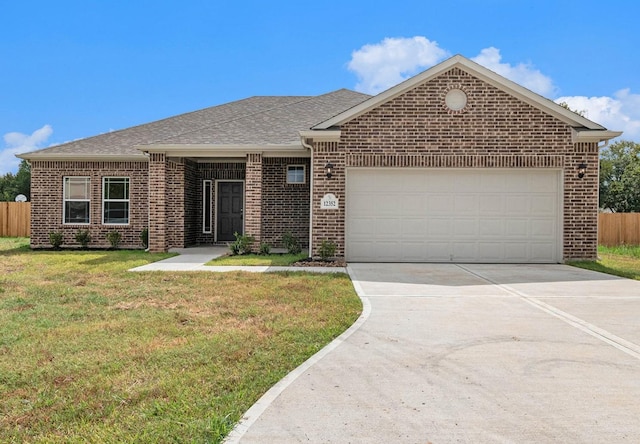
x=546, y=105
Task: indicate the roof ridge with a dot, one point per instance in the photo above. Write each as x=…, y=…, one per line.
x=243, y=116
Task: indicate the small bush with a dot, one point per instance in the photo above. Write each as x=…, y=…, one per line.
x=83, y=238
x=242, y=244
x=55, y=238
x=114, y=239
x=265, y=248
x=291, y=243
x=327, y=250
x=144, y=237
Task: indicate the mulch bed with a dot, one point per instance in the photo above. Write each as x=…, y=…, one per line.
x=318, y=263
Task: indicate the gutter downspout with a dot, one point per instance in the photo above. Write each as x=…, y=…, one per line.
x=310, y=148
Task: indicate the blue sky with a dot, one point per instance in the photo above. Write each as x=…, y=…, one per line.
x=73, y=69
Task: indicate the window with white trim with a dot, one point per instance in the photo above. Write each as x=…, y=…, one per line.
x=77, y=200
x=206, y=206
x=295, y=174
x=115, y=200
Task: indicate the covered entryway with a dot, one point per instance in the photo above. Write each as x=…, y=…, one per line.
x=229, y=210
x=453, y=215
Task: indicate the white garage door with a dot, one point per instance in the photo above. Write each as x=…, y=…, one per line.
x=453, y=215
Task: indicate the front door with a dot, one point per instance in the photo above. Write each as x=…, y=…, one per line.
x=230, y=203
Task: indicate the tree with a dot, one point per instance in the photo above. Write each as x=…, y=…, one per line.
x=620, y=177
x=13, y=184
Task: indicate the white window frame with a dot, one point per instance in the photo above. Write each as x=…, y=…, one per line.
x=207, y=229
x=127, y=200
x=65, y=182
x=304, y=174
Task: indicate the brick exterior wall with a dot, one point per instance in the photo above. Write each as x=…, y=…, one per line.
x=327, y=224
x=158, y=241
x=47, y=182
x=285, y=206
x=253, y=198
x=494, y=130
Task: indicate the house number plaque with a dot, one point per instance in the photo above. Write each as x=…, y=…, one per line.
x=329, y=202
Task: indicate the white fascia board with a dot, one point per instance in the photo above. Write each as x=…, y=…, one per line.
x=83, y=157
x=475, y=70
x=233, y=151
x=321, y=135
x=594, y=136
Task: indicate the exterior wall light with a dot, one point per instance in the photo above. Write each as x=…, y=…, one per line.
x=582, y=168
x=328, y=169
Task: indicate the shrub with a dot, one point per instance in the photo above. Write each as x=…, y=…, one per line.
x=242, y=244
x=291, y=243
x=265, y=248
x=55, y=238
x=144, y=237
x=327, y=250
x=114, y=238
x=83, y=238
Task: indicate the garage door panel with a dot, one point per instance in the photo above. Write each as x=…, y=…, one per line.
x=465, y=204
x=413, y=228
x=517, y=228
x=465, y=227
x=438, y=227
x=387, y=227
x=491, y=204
x=439, y=204
x=465, y=252
x=491, y=227
x=543, y=205
x=517, y=204
x=542, y=228
x=443, y=215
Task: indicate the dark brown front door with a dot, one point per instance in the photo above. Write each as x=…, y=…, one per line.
x=230, y=199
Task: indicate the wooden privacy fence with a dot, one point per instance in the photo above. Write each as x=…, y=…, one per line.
x=618, y=228
x=15, y=219
x=613, y=228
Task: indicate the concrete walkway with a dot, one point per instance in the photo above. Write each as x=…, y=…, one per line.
x=468, y=353
x=195, y=258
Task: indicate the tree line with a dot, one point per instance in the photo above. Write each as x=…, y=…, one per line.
x=13, y=184
x=619, y=179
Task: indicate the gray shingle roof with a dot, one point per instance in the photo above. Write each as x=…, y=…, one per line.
x=261, y=120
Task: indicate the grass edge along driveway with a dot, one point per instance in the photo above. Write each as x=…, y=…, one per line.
x=92, y=353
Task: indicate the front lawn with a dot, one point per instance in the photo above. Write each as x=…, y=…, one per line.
x=92, y=353
x=621, y=261
x=281, y=260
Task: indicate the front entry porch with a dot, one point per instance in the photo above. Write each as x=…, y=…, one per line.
x=205, y=200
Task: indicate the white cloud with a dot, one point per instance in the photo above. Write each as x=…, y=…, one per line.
x=17, y=143
x=382, y=65
x=619, y=113
x=523, y=73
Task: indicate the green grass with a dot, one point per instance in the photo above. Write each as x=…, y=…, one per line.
x=282, y=260
x=92, y=353
x=621, y=261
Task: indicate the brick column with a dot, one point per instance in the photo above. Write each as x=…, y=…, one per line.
x=157, y=203
x=328, y=224
x=253, y=198
x=581, y=203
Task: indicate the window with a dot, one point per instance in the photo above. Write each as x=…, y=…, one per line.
x=115, y=200
x=295, y=174
x=77, y=199
x=206, y=206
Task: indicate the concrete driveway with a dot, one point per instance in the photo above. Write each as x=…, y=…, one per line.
x=469, y=353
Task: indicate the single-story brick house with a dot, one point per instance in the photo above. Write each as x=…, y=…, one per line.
x=455, y=164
